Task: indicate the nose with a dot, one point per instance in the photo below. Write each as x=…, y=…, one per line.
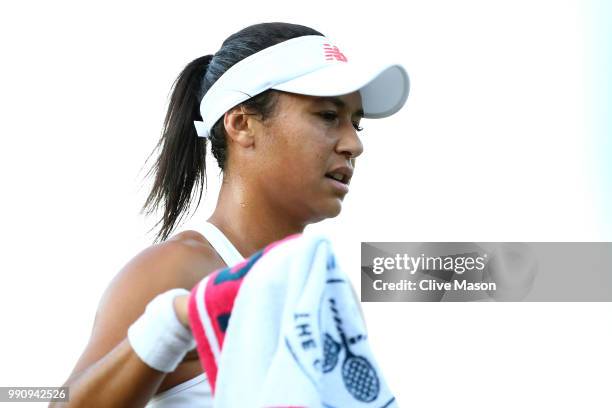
x=349, y=144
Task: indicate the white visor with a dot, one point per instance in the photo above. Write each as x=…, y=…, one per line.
x=308, y=65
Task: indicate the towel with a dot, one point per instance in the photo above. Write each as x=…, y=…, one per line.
x=283, y=328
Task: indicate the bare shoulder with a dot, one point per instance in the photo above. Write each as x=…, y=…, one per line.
x=169, y=264
x=191, y=238
x=179, y=262
x=199, y=258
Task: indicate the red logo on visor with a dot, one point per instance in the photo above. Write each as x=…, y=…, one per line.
x=332, y=52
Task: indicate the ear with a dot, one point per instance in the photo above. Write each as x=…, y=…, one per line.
x=240, y=126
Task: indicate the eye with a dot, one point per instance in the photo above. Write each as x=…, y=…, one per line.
x=329, y=116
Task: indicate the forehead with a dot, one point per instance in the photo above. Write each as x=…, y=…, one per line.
x=349, y=102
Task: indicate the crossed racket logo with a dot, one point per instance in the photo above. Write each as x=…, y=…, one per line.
x=358, y=375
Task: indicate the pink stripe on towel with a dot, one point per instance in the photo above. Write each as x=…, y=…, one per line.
x=220, y=291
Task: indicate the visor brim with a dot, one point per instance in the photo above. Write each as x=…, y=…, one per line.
x=384, y=88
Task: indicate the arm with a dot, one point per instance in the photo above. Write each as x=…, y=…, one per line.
x=109, y=372
x=119, y=379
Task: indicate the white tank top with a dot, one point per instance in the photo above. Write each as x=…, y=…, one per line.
x=196, y=392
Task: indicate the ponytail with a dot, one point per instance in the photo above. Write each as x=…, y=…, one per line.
x=181, y=165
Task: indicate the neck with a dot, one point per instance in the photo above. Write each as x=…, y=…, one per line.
x=248, y=221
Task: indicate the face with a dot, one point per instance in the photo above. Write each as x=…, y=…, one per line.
x=299, y=150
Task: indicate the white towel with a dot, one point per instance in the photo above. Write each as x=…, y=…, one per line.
x=295, y=335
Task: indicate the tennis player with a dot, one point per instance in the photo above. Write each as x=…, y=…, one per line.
x=281, y=107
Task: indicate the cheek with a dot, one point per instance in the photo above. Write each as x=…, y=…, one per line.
x=299, y=164
x=295, y=156
x=307, y=153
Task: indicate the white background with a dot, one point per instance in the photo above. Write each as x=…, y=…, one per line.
x=492, y=145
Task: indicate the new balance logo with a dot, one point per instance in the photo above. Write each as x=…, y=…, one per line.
x=332, y=52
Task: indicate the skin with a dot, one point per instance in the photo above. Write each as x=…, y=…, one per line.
x=275, y=183
x=273, y=186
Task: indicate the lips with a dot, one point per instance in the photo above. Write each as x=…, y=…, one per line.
x=338, y=186
x=342, y=174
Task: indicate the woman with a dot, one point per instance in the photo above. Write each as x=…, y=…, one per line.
x=281, y=107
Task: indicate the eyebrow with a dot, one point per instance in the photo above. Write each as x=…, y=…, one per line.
x=340, y=104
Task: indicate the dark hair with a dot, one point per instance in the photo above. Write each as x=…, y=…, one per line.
x=181, y=165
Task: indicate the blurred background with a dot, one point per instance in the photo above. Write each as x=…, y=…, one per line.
x=506, y=136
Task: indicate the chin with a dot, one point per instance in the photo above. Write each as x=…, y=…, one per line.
x=333, y=209
x=328, y=208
